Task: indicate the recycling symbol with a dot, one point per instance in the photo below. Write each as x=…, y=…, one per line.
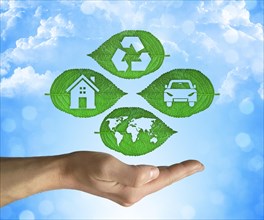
x=129, y=44
x=130, y=54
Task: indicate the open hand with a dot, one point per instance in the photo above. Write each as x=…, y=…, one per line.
x=92, y=172
x=103, y=175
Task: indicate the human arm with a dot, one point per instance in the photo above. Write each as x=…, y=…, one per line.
x=92, y=172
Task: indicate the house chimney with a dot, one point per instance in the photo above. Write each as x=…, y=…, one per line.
x=92, y=78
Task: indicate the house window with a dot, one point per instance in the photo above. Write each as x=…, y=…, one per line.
x=82, y=90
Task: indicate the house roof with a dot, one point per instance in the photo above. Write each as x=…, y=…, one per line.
x=77, y=81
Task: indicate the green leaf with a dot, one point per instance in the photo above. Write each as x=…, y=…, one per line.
x=83, y=93
x=133, y=131
x=118, y=51
x=188, y=92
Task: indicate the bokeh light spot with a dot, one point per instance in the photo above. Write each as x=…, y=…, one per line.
x=246, y=106
x=46, y=207
x=29, y=113
x=8, y=125
x=255, y=163
x=243, y=140
x=26, y=215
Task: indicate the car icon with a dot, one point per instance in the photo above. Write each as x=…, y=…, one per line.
x=180, y=91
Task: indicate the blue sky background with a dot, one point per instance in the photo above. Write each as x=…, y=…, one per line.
x=222, y=39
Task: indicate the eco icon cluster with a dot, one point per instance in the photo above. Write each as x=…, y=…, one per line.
x=132, y=54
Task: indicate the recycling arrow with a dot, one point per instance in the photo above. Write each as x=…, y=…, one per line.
x=141, y=65
x=134, y=41
x=117, y=60
x=122, y=65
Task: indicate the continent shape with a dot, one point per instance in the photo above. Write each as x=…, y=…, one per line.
x=118, y=137
x=139, y=124
x=114, y=122
x=135, y=126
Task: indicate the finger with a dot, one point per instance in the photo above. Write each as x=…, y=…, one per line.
x=171, y=174
x=134, y=176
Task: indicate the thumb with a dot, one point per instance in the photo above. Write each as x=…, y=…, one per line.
x=135, y=176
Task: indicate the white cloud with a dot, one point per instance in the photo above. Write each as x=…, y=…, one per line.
x=47, y=33
x=217, y=31
x=231, y=13
x=38, y=12
x=25, y=81
x=229, y=85
x=207, y=42
x=261, y=91
x=164, y=21
x=11, y=11
x=239, y=39
x=129, y=13
x=231, y=36
x=31, y=48
x=235, y=14
x=258, y=31
x=171, y=47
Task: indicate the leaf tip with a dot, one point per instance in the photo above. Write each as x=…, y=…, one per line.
x=47, y=94
x=91, y=55
x=174, y=132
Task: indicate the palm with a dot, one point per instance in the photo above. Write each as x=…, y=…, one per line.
x=104, y=175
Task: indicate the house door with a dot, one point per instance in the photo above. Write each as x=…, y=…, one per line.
x=82, y=102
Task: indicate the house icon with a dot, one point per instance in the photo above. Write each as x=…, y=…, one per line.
x=82, y=93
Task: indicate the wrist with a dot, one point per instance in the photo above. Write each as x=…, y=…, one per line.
x=47, y=174
x=65, y=171
x=22, y=177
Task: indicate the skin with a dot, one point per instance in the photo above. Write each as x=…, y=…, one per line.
x=93, y=172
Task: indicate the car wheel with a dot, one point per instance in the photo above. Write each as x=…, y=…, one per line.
x=169, y=104
x=191, y=104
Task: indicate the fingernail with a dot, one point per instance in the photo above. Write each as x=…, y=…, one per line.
x=154, y=172
x=199, y=167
